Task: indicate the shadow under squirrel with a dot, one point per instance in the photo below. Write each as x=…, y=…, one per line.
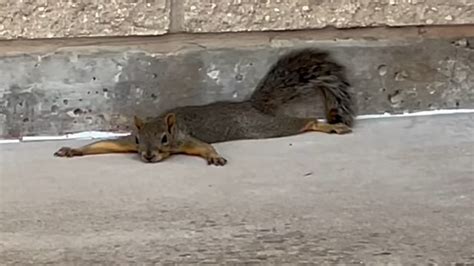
x=191, y=129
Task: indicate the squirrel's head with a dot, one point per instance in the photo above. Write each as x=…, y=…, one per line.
x=154, y=139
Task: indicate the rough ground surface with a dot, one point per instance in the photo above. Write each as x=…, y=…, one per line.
x=394, y=191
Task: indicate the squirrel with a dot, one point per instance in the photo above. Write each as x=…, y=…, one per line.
x=192, y=129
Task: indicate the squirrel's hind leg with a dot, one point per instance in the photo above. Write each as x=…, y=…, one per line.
x=119, y=145
x=338, y=128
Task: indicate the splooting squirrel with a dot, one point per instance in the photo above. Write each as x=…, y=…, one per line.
x=191, y=129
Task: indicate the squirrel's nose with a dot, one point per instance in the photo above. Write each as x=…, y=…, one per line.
x=149, y=156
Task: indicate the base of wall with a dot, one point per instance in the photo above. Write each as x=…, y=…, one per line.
x=90, y=135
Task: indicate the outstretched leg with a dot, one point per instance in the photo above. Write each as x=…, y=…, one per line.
x=120, y=145
x=193, y=146
x=338, y=128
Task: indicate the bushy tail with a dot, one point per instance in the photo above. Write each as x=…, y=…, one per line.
x=300, y=73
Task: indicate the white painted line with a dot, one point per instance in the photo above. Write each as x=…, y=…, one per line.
x=42, y=138
x=422, y=113
x=8, y=141
x=77, y=136
x=96, y=135
x=107, y=135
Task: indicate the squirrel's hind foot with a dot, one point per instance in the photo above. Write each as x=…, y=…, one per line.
x=67, y=152
x=216, y=160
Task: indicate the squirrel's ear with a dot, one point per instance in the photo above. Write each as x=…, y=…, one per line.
x=170, y=121
x=138, y=122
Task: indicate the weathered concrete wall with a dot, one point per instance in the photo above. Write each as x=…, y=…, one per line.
x=58, y=19
x=100, y=86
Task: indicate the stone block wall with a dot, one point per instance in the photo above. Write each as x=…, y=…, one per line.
x=256, y=15
x=70, y=66
x=87, y=18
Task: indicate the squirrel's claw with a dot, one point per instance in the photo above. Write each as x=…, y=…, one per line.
x=216, y=160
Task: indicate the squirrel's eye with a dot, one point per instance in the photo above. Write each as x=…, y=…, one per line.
x=136, y=140
x=164, y=139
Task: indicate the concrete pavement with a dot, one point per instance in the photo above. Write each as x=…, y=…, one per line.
x=397, y=190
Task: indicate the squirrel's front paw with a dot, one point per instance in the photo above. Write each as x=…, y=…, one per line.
x=67, y=152
x=341, y=129
x=216, y=160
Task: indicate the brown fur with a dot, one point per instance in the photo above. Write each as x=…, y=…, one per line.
x=191, y=129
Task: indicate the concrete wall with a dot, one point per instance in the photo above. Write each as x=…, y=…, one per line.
x=58, y=19
x=54, y=82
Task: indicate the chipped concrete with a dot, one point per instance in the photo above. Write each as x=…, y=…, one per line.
x=402, y=194
x=100, y=86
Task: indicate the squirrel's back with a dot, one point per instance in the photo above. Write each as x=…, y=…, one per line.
x=226, y=121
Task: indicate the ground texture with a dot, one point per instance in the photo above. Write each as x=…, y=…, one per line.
x=397, y=190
